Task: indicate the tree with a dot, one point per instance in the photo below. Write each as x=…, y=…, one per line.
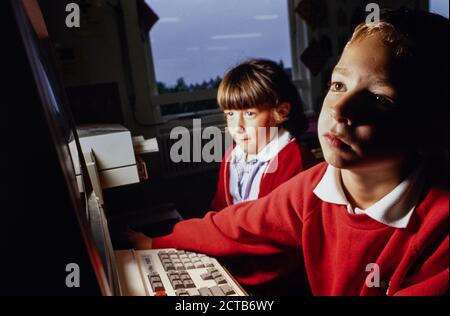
x=181, y=85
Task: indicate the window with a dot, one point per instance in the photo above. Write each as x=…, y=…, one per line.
x=196, y=41
x=439, y=7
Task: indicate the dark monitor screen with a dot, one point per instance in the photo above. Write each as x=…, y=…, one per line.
x=89, y=215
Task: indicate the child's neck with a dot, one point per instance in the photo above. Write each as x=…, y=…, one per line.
x=365, y=187
x=249, y=157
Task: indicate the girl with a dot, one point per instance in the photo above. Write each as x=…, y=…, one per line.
x=264, y=116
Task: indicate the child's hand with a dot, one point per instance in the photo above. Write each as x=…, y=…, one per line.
x=138, y=241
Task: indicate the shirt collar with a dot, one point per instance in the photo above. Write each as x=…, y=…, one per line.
x=394, y=209
x=278, y=142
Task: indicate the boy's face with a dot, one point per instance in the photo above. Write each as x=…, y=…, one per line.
x=250, y=128
x=359, y=124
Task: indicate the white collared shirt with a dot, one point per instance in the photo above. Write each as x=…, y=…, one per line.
x=245, y=176
x=394, y=209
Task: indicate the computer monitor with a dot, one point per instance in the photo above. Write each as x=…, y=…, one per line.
x=67, y=226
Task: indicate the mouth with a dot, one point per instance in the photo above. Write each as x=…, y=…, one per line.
x=241, y=138
x=336, y=141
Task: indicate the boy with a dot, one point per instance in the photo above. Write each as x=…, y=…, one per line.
x=373, y=219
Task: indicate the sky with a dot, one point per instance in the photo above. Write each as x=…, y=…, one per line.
x=201, y=39
x=439, y=6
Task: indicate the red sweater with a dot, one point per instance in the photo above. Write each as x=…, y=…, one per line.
x=292, y=159
x=337, y=246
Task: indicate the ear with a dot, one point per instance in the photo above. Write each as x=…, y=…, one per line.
x=284, y=109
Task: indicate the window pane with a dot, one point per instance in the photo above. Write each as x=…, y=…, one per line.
x=196, y=41
x=439, y=7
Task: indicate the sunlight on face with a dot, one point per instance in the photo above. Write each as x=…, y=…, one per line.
x=356, y=122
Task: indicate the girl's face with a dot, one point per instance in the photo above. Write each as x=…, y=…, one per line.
x=250, y=128
x=359, y=125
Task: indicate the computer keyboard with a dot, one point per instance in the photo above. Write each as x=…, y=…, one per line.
x=171, y=272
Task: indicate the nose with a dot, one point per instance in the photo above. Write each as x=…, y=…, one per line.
x=238, y=123
x=241, y=123
x=343, y=110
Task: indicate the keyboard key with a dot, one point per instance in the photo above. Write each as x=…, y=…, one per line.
x=181, y=292
x=220, y=280
x=193, y=292
x=207, y=262
x=157, y=286
x=188, y=284
x=199, y=265
x=216, y=275
x=174, y=277
x=204, y=291
x=189, y=266
x=177, y=284
x=160, y=293
x=206, y=276
x=169, y=267
x=216, y=291
x=227, y=289
x=184, y=277
x=179, y=266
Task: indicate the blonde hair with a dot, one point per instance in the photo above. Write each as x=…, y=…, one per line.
x=389, y=35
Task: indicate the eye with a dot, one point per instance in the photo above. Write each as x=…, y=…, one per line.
x=337, y=86
x=382, y=100
x=229, y=114
x=250, y=114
